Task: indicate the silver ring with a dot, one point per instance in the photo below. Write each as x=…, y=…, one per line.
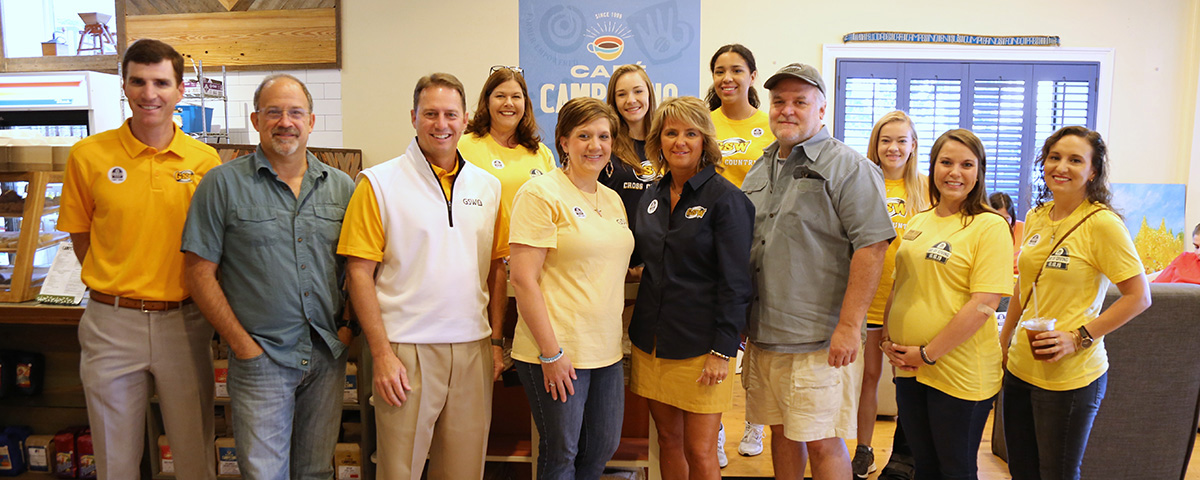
x=551, y=384
x=719, y=381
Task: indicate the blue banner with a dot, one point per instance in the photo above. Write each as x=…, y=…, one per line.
x=570, y=48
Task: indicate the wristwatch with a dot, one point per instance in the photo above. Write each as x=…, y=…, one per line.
x=1085, y=338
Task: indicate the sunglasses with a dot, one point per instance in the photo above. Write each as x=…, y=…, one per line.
x=515, y=69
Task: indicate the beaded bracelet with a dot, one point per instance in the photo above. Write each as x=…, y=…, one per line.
x=720, y=355
x=551, y=359
x=925, y=358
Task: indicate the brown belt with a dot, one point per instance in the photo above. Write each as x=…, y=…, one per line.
x=143, y=305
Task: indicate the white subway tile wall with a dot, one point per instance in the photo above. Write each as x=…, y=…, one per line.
x=324, y=85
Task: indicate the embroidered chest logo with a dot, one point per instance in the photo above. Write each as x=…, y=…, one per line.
x=535, y=173
x=497, y=164
x=940, y=252
x=621, y=222
x=579, y=212
x=117, y=175
x=695, y=212
x=895, y=206
x=184, y=176
x=647, y=173
x=653, y=206
x=912, y=234
x=474, y=202
x=1035, y=239
x=1060, y=259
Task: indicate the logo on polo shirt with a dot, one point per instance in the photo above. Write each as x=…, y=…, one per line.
x=647, y=173
x=578, y=212
x=653, y=206
x=695, y=212
x=184, y=176
x=117, y=175
x=474, y=202
x=1035, y=239
x=939, y=252
x=1059, y=260
x=535, y=173
x=497, y=164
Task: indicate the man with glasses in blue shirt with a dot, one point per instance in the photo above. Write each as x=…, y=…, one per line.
x=267, y=225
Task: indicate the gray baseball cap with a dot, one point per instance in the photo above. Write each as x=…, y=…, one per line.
x=798, y=70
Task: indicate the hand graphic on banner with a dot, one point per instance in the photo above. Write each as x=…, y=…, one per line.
x=659, y=33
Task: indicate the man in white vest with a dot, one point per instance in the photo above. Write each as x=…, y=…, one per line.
x=420, y=240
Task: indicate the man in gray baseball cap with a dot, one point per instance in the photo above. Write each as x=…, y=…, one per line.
x=820, y=234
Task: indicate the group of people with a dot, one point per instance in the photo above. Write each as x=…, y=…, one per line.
x=735, y=222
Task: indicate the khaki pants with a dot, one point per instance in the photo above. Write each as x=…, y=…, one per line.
x=446, y=417
x=123, y=351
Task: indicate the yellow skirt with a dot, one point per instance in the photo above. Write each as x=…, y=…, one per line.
x=673, y=382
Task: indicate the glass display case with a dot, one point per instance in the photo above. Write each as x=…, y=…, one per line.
x=28, y=238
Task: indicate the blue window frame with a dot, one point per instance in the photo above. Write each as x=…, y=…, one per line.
x=1011, y=106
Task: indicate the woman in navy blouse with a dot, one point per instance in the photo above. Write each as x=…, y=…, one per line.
x=693, y=231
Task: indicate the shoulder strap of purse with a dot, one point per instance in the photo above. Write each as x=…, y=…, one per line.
x=1025, y=301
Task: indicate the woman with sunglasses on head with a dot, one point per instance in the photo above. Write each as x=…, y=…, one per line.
x=893, y=147
x=1075, y=245
x=570, y=243
x=742, y=129
x=502, y=138
x=694, y=229
x=952, y=268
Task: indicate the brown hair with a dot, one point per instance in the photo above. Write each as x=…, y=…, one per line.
x=691, y=111
x=439, y=80
x=527, y=129
x=148, y=51
x=622, y=140
x=579, y=111
x=1097, y=188
x=714, y=100
x=976, y=201
x=916, y=191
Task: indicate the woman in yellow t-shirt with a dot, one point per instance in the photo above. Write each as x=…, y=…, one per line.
x=952, y=268
x=502, y=138
x=1074, y=246
x=742, y=129
x=570, y=243
x=893, y=146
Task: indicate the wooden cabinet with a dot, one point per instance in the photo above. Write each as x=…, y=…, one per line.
x=28, y=238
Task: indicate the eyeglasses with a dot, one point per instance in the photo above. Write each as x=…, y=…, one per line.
x=515, y=69
x=276, y=114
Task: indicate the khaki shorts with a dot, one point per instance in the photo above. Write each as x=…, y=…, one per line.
x=812, y=400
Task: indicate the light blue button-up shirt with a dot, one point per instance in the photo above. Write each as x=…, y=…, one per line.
x=275, y=251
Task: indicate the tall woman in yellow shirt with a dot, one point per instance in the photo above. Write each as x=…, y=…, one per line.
x=502, y=138
x=893, y=146
x=1074, y=245
x=742, y=129
x=570, y=244
x=952, y=267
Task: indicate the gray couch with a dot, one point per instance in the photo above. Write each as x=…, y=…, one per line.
x=1147, y=423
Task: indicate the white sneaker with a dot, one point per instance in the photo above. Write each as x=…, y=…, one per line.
x=722, y=460
x=752, y=440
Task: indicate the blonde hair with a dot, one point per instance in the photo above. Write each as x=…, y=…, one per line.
x=622, y=140
x=693, y=112
x=916, y=187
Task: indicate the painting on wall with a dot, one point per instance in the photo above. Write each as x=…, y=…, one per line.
x=1154, y=215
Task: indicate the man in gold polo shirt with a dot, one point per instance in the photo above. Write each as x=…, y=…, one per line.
x=124, y=201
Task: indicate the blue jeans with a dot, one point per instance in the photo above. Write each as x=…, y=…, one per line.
x=579, y=436
x=285, y=420
x=943, y=431
x=1046, y=432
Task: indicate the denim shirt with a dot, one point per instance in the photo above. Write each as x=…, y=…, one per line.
x=696, y=283
x=275, y=251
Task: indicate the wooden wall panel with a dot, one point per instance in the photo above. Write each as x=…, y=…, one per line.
x=270, y=37
x=171, y=7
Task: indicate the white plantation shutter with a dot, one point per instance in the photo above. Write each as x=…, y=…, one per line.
x=1011, y=106
x=997, y=118
x=867, y=99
